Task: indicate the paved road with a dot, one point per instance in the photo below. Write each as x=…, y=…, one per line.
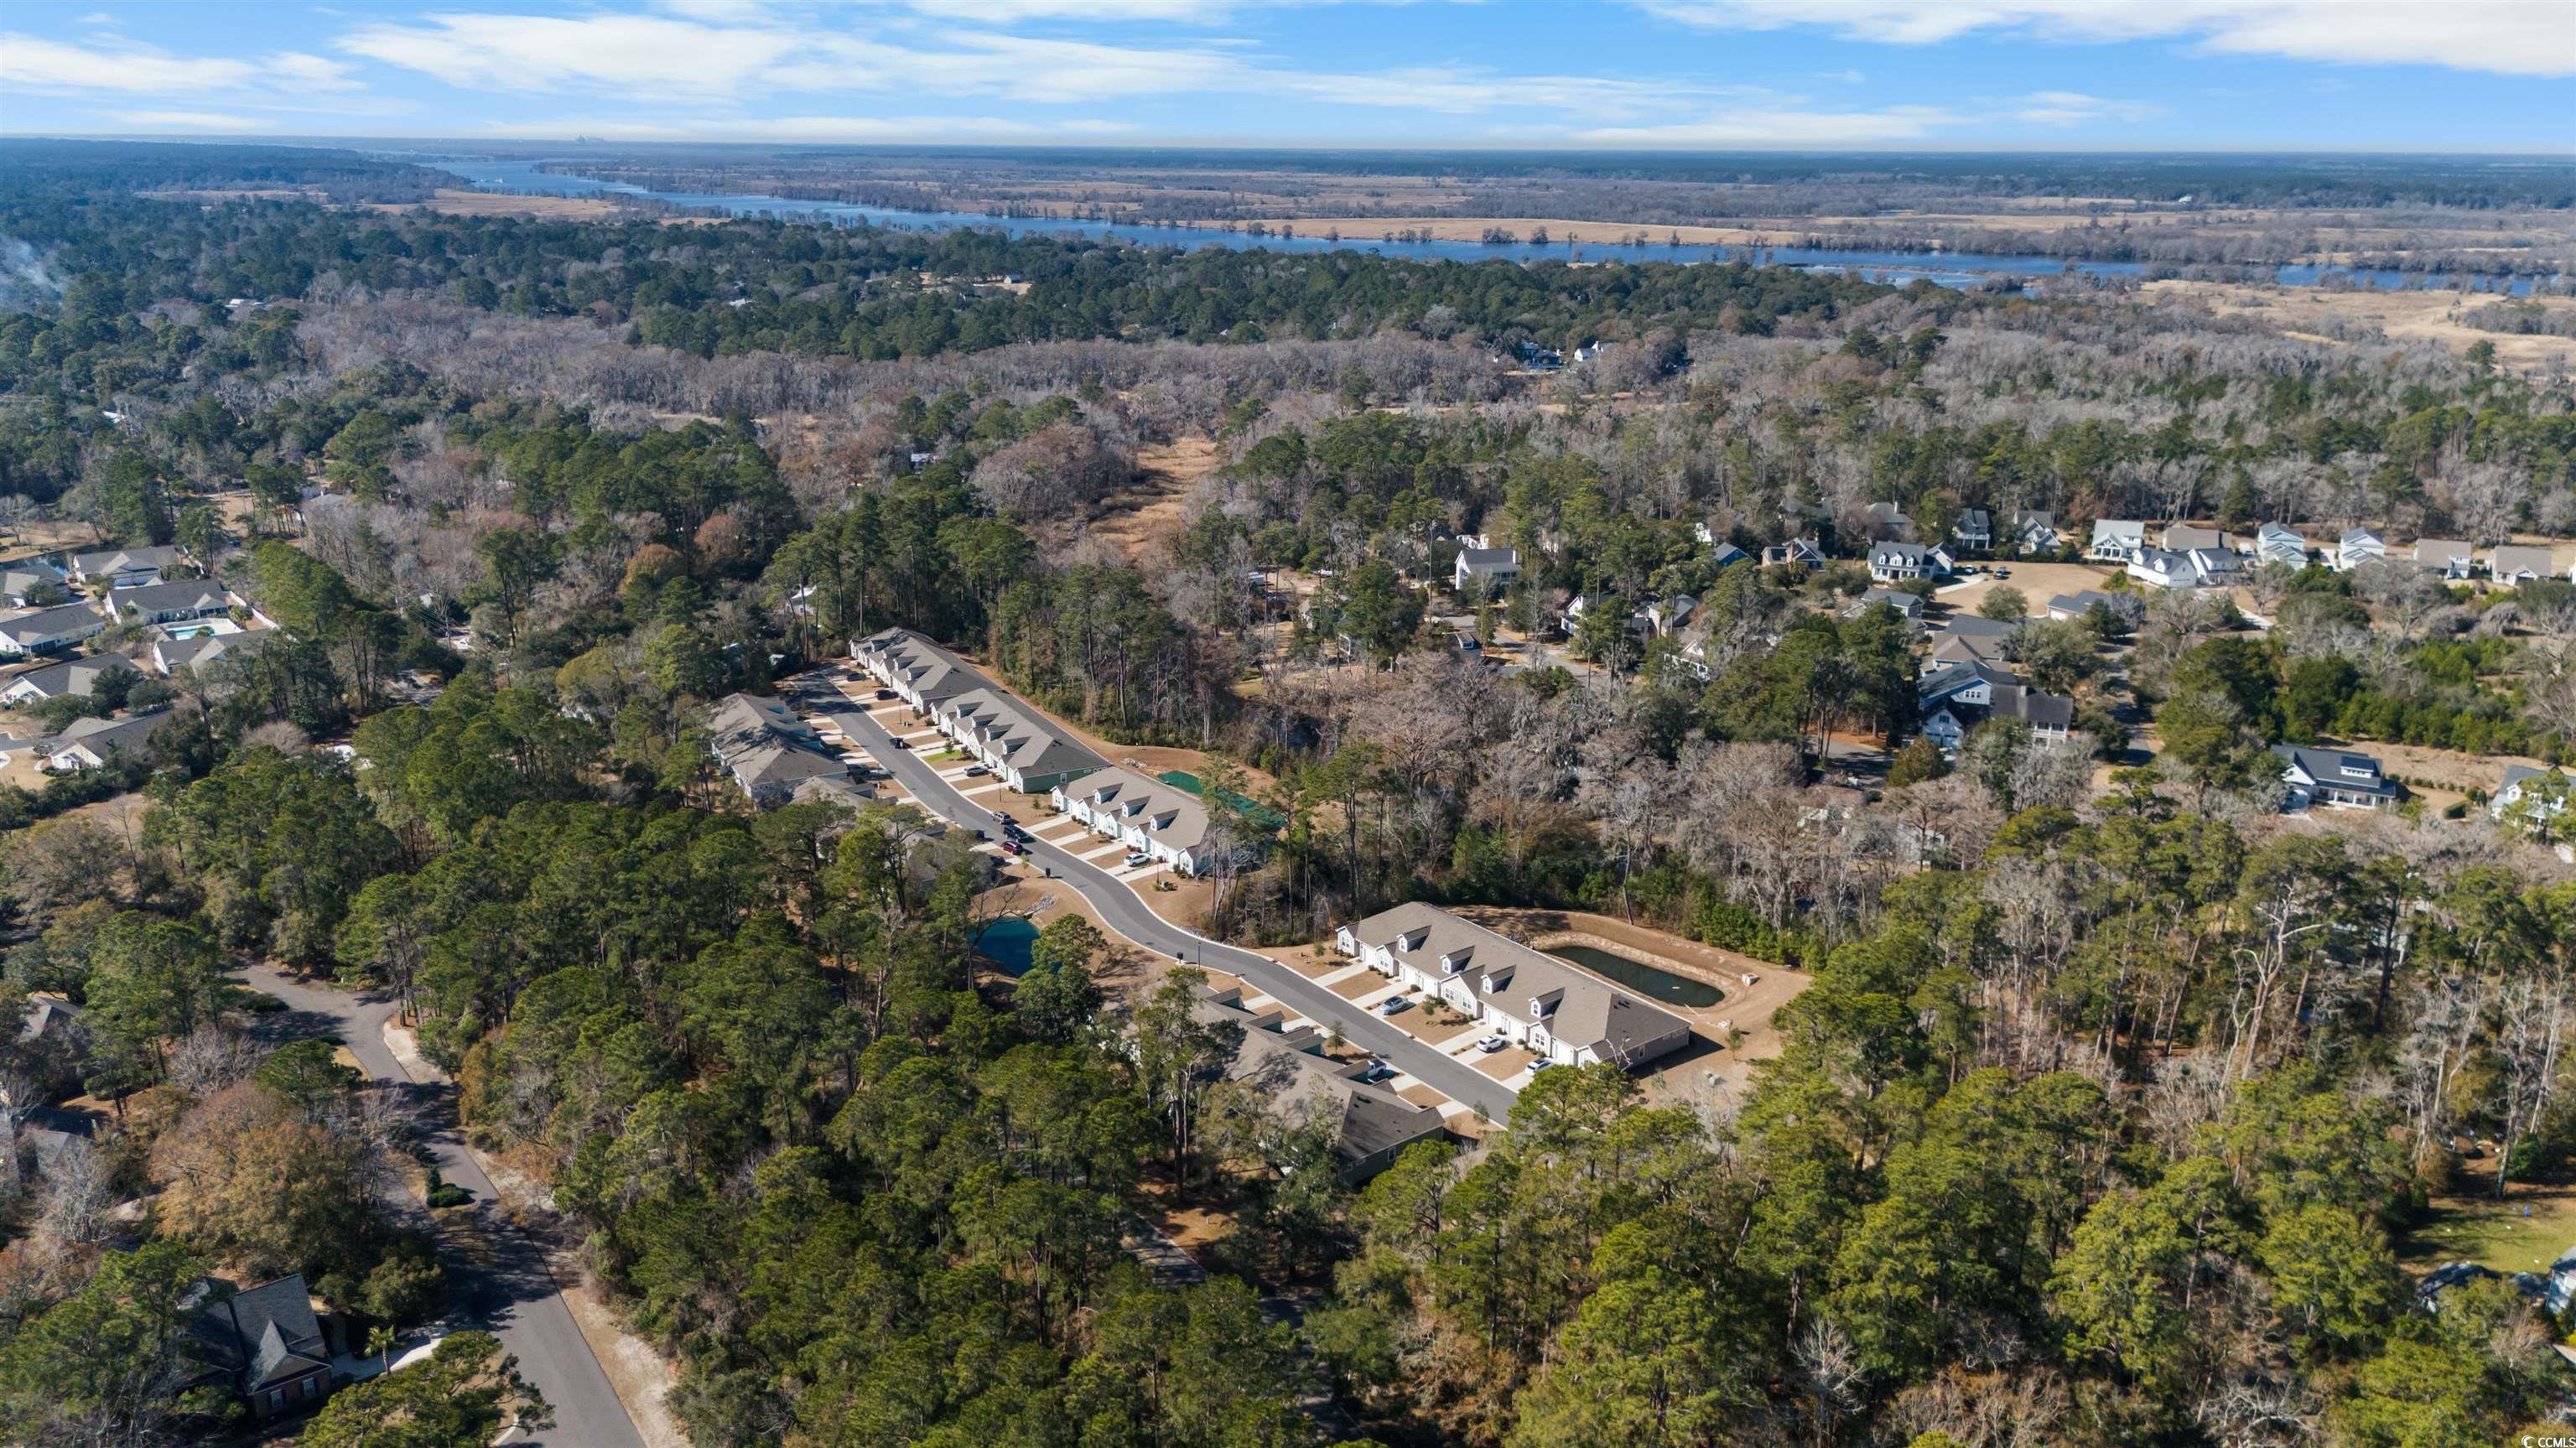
x=510, y=1292
x=1125, y=911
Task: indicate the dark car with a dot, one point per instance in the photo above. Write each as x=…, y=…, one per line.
x=885, y=693
x=899, y=744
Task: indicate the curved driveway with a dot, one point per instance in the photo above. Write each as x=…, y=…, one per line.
x=1125, y=911
x=507, y=1290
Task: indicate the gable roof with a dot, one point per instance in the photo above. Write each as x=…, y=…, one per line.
x=1584, y=1011
x=203, y=649
x=2442, y=552
x=194, y=593
x=2124, y=530
x=1978, y=626
x=766, y=747
x=931, y=670
x=119, y=560
x=1025, y=739
x=2518, y=559
x=96, y=737
x=2081, y=601
x=1369, y=1120
x=2338, y=769
x=262, y=1333
x=71, y=676
x=1172, y=815
x=19, y=578
x=2183, y=537
x=44, y=623
x=1489, y=560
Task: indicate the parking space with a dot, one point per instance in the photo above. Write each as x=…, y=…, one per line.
x=1508, y=1065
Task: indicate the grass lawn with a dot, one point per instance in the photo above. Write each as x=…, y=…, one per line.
x=2478, y=1228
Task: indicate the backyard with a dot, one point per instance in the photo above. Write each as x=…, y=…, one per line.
x=2497, y=1234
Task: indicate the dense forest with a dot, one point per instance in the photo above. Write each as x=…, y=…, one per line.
x=2107, y=1115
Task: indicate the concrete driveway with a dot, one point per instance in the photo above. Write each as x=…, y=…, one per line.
x=1125, y=912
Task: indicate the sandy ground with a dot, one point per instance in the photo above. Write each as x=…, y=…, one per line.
x=450, y=202
x=2429, y=316
x=2038, y=582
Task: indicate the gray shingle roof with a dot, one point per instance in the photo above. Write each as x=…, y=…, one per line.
x=71, y=677
x=1585, y=1012
x=1371, y=1120
x=1141, y=799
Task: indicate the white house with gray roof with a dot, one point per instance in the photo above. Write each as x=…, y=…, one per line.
x=1160, y=820
x=770, y=752
x=71, y=678
x=1893, y=562
x=2516, y=564
x=2334, y=777
x=2278, y=543
x=2357, y=547
x=921, y=672
x=2449, y=557
x=1489, y=569
x=1021, y=744
x=171, y=602
x=32, y=578
x=127, y=567
x=49, y=630
x=1560, y=1011
x=1371, y=1125
x=2116, y=540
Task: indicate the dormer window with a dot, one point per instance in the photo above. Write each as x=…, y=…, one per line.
x=1456, y=960
x=1542, y=1005
x=1411, y=940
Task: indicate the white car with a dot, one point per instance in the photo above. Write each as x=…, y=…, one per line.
x=1136, y=858
x=1393, y=1005
x=1490, y=1044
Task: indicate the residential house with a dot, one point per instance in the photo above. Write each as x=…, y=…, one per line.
x=1024, y=747
x=1888, y=520
x=1974, y=530
x=127, y=567
x=2198, y=568
x=1485, y=569
x=91, y=743
x=1977, y=625
x=30, y=579
x=1563, y=1013
x=1806, y=551
x=170, y=602
x=2357, y=547
x=920, y=672
x=2188, y=537
x=49, y=630
x=2334, y=777
x=1907, y=606
x=198, y=651
x=1949, y=649
x=1162, y=821
x=265, y=1344
x=71, y=678
x=2275, y=543
x=1664, y=615
x=2516, y=564
x=1892, y=562
x=1725, y=554
x=2548, y=791
x=2032, y=531
x=1963, y=683
x=2079, y=604
x=1371, y=1124
x=2051, y=717
x=2116, y=540
x=2449, y=557
x=770, y=752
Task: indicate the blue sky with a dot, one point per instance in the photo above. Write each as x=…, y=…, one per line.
x=2338, y=75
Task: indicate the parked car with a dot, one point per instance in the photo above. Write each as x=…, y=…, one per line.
x=1538, y=1066
x=1138, y=857
x=885, y=693
x=976, y=771
x=1011, y=847
x=899, y=744
x=1394, y=1005
x=2003, y=573
x=1378, y=1071
x=1490, y=1044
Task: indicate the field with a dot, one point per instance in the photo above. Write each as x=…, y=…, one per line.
x=2496, y=1234
x=2331, y=316
x=2038, y=582
x=1146, y=513
x=493, y=203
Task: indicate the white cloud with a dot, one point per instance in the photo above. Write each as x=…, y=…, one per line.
x=1012, y=12
x=618, y=53
x=2072, y=108
x=2512, y=37
x=56, y=67
x=28, y=61
x=1782, y=129
x=186, y=121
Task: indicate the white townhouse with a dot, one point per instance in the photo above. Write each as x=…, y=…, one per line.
x=1162, y=821
x=1565, y=1014
x=1892, y=562
x=1022, y=746
x=920, y=672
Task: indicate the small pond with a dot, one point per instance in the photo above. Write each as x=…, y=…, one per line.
x=1636, y=975
x=1008, y=943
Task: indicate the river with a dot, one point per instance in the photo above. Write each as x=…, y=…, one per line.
x=1897, y=268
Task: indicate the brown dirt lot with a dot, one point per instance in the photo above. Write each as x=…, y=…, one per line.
x=1143, y=515
x=2429, y=316
x=449, y=202
x=2038, y=582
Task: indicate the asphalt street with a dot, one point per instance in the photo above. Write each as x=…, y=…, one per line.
x=1125, y=912
x=508, y=1292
